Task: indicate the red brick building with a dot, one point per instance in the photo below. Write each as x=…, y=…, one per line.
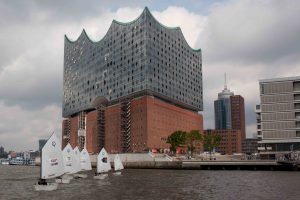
x=136, y=125
x=231, y=140
x=238, y=114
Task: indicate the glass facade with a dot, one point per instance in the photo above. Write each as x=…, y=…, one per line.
x=222, y=108
x=142, y=55
x=222, y=114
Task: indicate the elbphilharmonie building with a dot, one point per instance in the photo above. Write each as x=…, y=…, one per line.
x=133, y=88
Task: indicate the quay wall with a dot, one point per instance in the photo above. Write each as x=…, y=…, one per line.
x=150, y=161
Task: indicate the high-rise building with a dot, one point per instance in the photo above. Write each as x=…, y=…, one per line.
x=278, y=115
x=130, y=90
x=237, y=106
x=223, y=109
x=230, y=111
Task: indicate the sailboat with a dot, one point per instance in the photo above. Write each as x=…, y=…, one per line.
x=69, y=163
x=51, y=164
x=77, y=167
x=85, y=163
x=118, y=166
x=103, y=165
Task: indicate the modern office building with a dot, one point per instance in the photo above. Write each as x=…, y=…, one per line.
x=231, y=140
x=223, y=109
x=230, y=111
x=229, y=121
x=278, y=115
x=133, y=88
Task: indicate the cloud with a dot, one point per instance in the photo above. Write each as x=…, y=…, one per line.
x=253, y=31
x=21, y=129
x=191, y=24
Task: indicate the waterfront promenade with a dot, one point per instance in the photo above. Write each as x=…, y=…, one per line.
x=162, y=161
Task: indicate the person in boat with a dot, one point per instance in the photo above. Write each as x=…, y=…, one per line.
x=42, y=182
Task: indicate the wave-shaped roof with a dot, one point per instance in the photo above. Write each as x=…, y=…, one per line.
x=146, y=10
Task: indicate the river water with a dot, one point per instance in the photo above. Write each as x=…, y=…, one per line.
x=16, y=182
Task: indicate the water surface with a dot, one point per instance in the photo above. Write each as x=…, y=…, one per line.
x=16, y=182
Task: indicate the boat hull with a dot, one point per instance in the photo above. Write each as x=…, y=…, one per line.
x=118, y=173
x=68, y=176
x=48, y=187
x=62, y=180
x=80, y=176
x=100, y=176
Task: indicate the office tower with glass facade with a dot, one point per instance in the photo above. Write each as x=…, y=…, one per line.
x=113, y=87
x=230, y=111
x=223, y=109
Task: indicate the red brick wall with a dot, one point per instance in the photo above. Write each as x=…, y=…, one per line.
x=152, y=121
x=112, y=128
x=164, y=118
x=139, y=124
x=64, y=131
x=91, y=132
x=74, y=130
x=238, y=114
x=231, y=140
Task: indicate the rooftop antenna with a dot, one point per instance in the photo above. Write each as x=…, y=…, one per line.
x=225, y=82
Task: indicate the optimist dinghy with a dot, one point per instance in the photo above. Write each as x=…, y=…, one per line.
x=118, y=166
x=51, y=164
x=103, y=165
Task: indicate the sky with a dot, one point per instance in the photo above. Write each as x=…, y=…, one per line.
x=249, y=40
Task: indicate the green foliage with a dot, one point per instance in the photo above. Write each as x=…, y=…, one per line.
x=191, y=139
x=177, y=139
x=211, y=141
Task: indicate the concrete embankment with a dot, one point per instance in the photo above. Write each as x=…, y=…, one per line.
x=151, y=161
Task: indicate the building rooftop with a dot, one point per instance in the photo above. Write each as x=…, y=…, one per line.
x=280, y=79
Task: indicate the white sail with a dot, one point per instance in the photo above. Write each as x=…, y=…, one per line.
x=52, y=160
x=103, y=162
x=118, y=163
x=77, y=166
x=85, y=160
x=69, y=160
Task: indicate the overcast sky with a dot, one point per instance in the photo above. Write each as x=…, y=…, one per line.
x=249, y=40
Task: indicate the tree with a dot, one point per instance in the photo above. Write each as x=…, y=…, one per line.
x=192, y=138
x=211, y=141
x=176, y=139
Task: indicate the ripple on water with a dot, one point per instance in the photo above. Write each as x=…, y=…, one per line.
x=16, y=182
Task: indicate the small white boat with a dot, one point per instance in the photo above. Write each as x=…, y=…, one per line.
x=5, y=162
x=68, y=176
x=51, y=164
x=46, y=187
x=118, y=166
x=69, y=160
x=69, y=163
x=103, y=165
x=62, y=180
x=85, y=163
x=77, y=164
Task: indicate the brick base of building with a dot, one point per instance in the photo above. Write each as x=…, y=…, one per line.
x=231, y=140
x=134, y=126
